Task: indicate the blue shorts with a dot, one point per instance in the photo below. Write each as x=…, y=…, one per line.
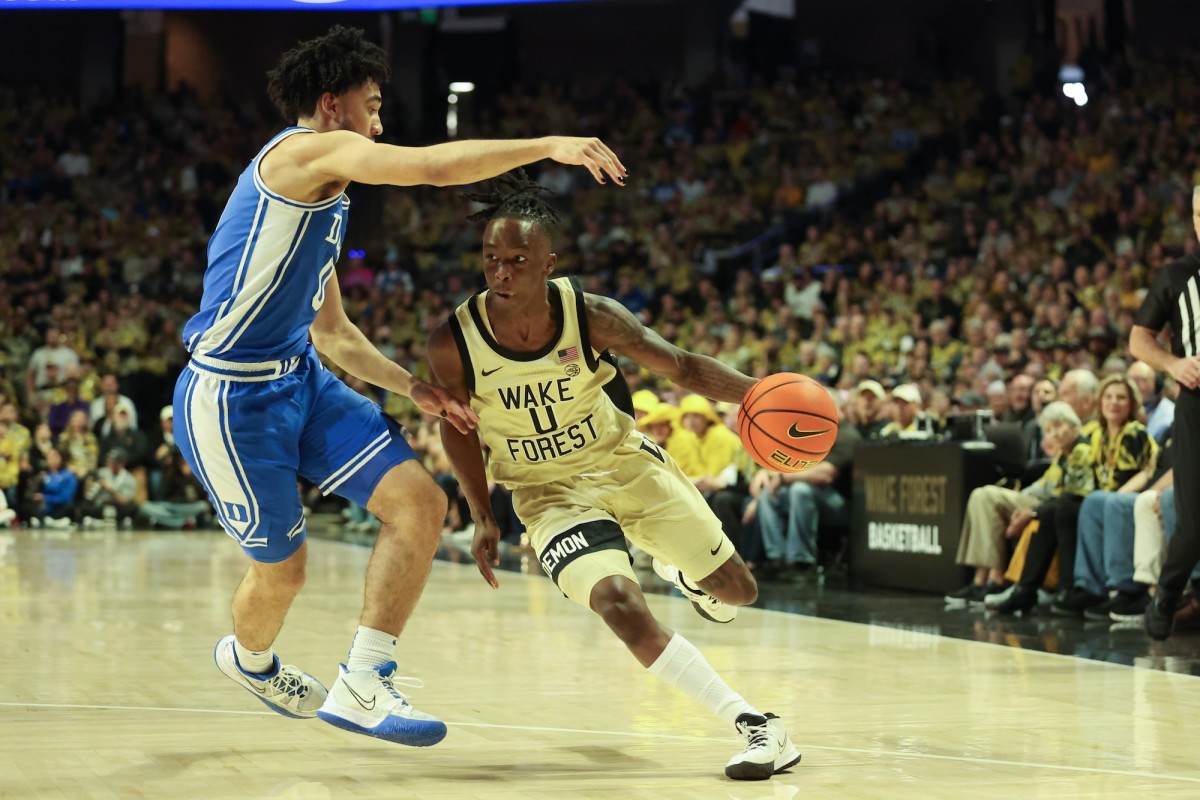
x=248, y=430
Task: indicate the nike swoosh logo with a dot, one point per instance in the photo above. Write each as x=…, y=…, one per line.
x=487, y=372
x=361, y=702
x=256, y=688
x=716, y=549
x=796, y=433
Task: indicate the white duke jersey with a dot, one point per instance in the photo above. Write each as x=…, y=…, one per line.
x=268, y=262
x=544, y=414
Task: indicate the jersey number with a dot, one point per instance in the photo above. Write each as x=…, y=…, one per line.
x=551, y=420
x=322, y=280
x=335, y=230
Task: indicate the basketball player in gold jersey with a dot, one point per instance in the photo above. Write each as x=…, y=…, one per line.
x=526, y=354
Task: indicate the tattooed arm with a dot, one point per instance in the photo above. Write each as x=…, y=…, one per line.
x=612, y=327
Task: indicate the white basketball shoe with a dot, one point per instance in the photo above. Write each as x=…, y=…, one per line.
x=705, y=604
x=366, y=701
x=285, y=689
x=768, y=749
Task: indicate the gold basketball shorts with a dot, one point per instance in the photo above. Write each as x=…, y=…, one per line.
x=578, y=525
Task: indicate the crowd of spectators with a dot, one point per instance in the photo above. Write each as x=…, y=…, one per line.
x=105, y=211
x=1012, y=245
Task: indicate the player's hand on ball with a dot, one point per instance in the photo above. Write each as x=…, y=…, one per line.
x=433, y=399
x=485, y=548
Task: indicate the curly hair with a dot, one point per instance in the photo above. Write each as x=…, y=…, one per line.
x=515, y=195
x=337, y=62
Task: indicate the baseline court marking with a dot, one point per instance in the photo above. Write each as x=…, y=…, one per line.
x=632, y=734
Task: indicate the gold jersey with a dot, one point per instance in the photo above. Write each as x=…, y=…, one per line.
x=543, y=414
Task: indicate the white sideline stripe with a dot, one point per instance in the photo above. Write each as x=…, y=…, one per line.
x=632, y=734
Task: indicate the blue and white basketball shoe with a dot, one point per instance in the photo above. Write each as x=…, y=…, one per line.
x=367, y=701
x=285, y=689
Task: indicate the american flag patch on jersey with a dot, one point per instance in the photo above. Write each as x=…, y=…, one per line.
x=570, y=354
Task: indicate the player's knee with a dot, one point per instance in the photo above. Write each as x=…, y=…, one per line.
x=420, y=519
x=427, y=511
x=283, y=577
x=622, y=609
x=292, y=580
x=414, y=508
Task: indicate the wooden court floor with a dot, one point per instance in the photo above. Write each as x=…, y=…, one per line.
x=108, y=690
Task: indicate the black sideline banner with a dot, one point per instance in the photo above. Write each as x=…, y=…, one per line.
x=907, y=511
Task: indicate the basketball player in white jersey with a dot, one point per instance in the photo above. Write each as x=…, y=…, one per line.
x=527, y=355
x=257, y=408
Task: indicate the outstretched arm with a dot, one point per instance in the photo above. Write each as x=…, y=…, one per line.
x=612, y=327
x=347, y=156
x=465, y=454
x=337, y=338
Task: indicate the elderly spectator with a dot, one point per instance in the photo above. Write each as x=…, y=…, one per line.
x=1073, y=479
x=994, y=513
x=1158, y=406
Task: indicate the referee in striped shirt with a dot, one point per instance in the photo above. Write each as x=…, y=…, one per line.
x=1174, y=298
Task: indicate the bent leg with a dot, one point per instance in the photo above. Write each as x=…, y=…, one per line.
x=237, y=440
x=620, y=603
x=351, y=448
x=661, y=512
x=731, y=583
x=411, y=507
x=262, y=599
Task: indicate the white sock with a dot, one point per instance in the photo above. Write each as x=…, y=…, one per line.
x=682, y=666
x=371, y=649
x=258, y=662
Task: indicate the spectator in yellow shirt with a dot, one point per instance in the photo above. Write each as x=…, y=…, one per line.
x=644, y=401
x=661, y=423
x=721, y=481
x=719, y=446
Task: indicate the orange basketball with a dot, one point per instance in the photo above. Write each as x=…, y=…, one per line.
x=788, y=422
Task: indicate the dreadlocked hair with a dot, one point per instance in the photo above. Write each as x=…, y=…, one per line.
x=337, y=62
x=516, y=195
